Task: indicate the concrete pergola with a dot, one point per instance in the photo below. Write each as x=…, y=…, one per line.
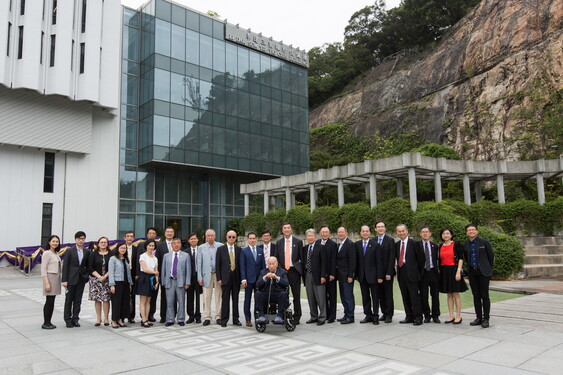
x=410, y=166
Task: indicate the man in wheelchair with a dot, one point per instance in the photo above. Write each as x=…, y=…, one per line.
x=271, y=286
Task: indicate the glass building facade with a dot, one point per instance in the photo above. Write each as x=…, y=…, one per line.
x=200, y=115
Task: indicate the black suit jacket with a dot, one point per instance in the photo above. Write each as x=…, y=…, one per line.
x=387, y=248
x=330, y=248
x=277, y=286
x=161, y=251
x=414, y=260
x=370, y=266
x=193, y=264
x=135, y=262
x=486, y=256
x=73, y=272
x=346, y=260
x=296, y=251
x=318, y=262
x=223, y=265
x=434, y=250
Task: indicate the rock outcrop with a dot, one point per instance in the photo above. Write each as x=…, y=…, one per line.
x=470, y=91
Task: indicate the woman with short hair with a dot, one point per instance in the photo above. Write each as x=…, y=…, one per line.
x=51, y=274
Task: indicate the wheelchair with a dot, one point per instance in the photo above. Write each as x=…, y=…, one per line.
x=271, y=313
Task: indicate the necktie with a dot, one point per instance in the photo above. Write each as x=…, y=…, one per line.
x=323, y=242
x=340, y=246
x=380, y=240
x=402, y=254
x=194, y=254
x=309, y=254
x=427, y=254
x=232, y=258
x=254, y=253
x=175, y=265
x=287, y=254
x=169, y=245
x=365, y=246
x=266, y=252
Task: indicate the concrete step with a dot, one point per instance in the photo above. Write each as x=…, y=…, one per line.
x=546, y=259
x=543, y=249
x=537, y=240
x=543, y=270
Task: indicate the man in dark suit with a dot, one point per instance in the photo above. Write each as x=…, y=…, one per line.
x=163, y=248
x=370, y=272
x=288, y=252
x=330, y=249
x=133, y=256
x=75, y=275
x=195, y=291
x=386, y=246
x=227, y=267
x=479, y=257
x=251, y=264
x=346, y=271
x=410, y=264
x=268, y=247
x=271, y=285
x=430, y=276
x=151, y=235
x=314, y=257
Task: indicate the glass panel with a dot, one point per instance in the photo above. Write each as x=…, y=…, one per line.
x=254, y=65
x=177, y=87
x=142, y=223
x=127, y=178
x=130, y=43
x=162, y=37
x=171, y=187
x=218, y=55
x=254, y=107
x=191, y=140
x=266, y=146
x=276, y=73
x=162, y=84
x=231, y=57
x=205, y=134
x=126, y=223
x=126, y=205
x=276, y=112
x=266, y=110
x=176, y=133
x=243, y=64
x=243, y=104
x=192, y=47
x=265, y=64
x=192, y=20
x=161, y=134
x=184, y=184
x=219, y=141
x=205, y=51
x=130, y=17
x=206, y=25
x=144, y=206
x=205, y=94
x=178, y=42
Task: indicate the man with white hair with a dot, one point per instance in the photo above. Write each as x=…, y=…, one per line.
x=207, y=277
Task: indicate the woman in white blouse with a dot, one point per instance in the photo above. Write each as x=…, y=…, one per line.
x=148, y=280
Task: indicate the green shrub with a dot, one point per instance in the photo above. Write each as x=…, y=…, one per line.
x=273, y=221
x=300, y=218
x=485, y=212
x=254, y=222
x=354, y=215
x=448, y=205
x=437, y=220
x=509, y=252
x=553, y=216
x=521, y=216
x=394, y=212
x=326, y=215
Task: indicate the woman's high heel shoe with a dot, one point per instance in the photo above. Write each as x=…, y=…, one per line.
x=458, y=322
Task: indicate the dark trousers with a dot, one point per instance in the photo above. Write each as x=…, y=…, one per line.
x=385, y=295
x=162, y=303
x=132, y=302
x=411, y=297
x=331, y=299
x=480, y=289
x=347, y=298
x=73, y=301
x=248, y=299
x=230, y=292
x=430, y=281
x=294, y=278
x=48, y=309
x=370, y=299
x=120, y=301
x=193, y=308
x=152, y=309
x=261, y=300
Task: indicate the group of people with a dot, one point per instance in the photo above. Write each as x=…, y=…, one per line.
x=185, y=273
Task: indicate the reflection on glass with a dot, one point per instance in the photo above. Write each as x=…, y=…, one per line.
x=205, y=51
x=178, y=42
x=192, y=47
x=162, y=37
x=161, y=135
x=162, y=84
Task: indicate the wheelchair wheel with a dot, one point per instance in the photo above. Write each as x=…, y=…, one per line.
x=260, y=327
x=289, y=326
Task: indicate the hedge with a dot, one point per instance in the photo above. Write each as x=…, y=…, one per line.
x=522, y=216
x=326, y=215
x=300, y=218
x=553, y=216
x=273, y=221
x=394, y=212
x=253, y=222
x=354, y=215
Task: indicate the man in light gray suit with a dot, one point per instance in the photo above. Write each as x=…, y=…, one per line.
x=207, y=277
x=176, y=276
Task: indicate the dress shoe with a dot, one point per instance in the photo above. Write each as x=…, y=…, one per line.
x=168, y=324
x=76, y=324
x=206, y=322
x=261, y=320
x=382, y=318
x=152, y=320
x=132, y=321
x=237, y=323
x=330, y=321
x=224, y=325
x=198, y=321
x=347, y=321
x=436, y=319
x=476, y=322
x=417, y=322
x=278, y=320
x=181, y=324
x=162, y=321
x=320, y=322
x=388, y=319
x=427, y=319
x=458, y=321
x=190, y=320
x=48, y=326
x=376, y=322
x=69, y=325
x=249, y=323
x=406, y=321
x=485, y=323
x=367, y=319
x=341, y=319
x=296, y=322
x=311, y=321
x=218, y=321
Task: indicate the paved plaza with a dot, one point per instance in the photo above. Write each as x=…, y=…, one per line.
x=525, y=337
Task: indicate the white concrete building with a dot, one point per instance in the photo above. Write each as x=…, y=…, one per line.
x=59, y=119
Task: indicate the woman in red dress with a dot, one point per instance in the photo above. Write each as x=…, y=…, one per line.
x=451, y=280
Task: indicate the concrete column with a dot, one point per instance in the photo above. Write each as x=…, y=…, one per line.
x=246, y=204
x=287, y=199
x=466, y=189
x=340, y=193
x=313, y=196
x=372, y=190
x=266, y=202
x=478, y=193
x=541, y=191
x=400, y=192
x=412, y=189
x=500, y=188
x=437, y=187
x=292, y=200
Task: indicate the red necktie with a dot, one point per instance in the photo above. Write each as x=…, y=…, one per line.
x=402, y=254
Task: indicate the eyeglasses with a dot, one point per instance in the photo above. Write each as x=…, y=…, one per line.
x=231, y=236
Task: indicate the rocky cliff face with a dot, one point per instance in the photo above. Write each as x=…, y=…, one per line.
x=475, y=91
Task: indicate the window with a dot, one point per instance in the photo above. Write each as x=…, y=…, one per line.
x=83, y=27
x=41, y=51
x=54, y=13
x=49, y=175
x=8, y=42
x=22, y=7
x=46, y=222
x=20, y=42
x=82, y=51
x=52, y=54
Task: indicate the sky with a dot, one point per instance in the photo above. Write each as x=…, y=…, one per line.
x=302, y=23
